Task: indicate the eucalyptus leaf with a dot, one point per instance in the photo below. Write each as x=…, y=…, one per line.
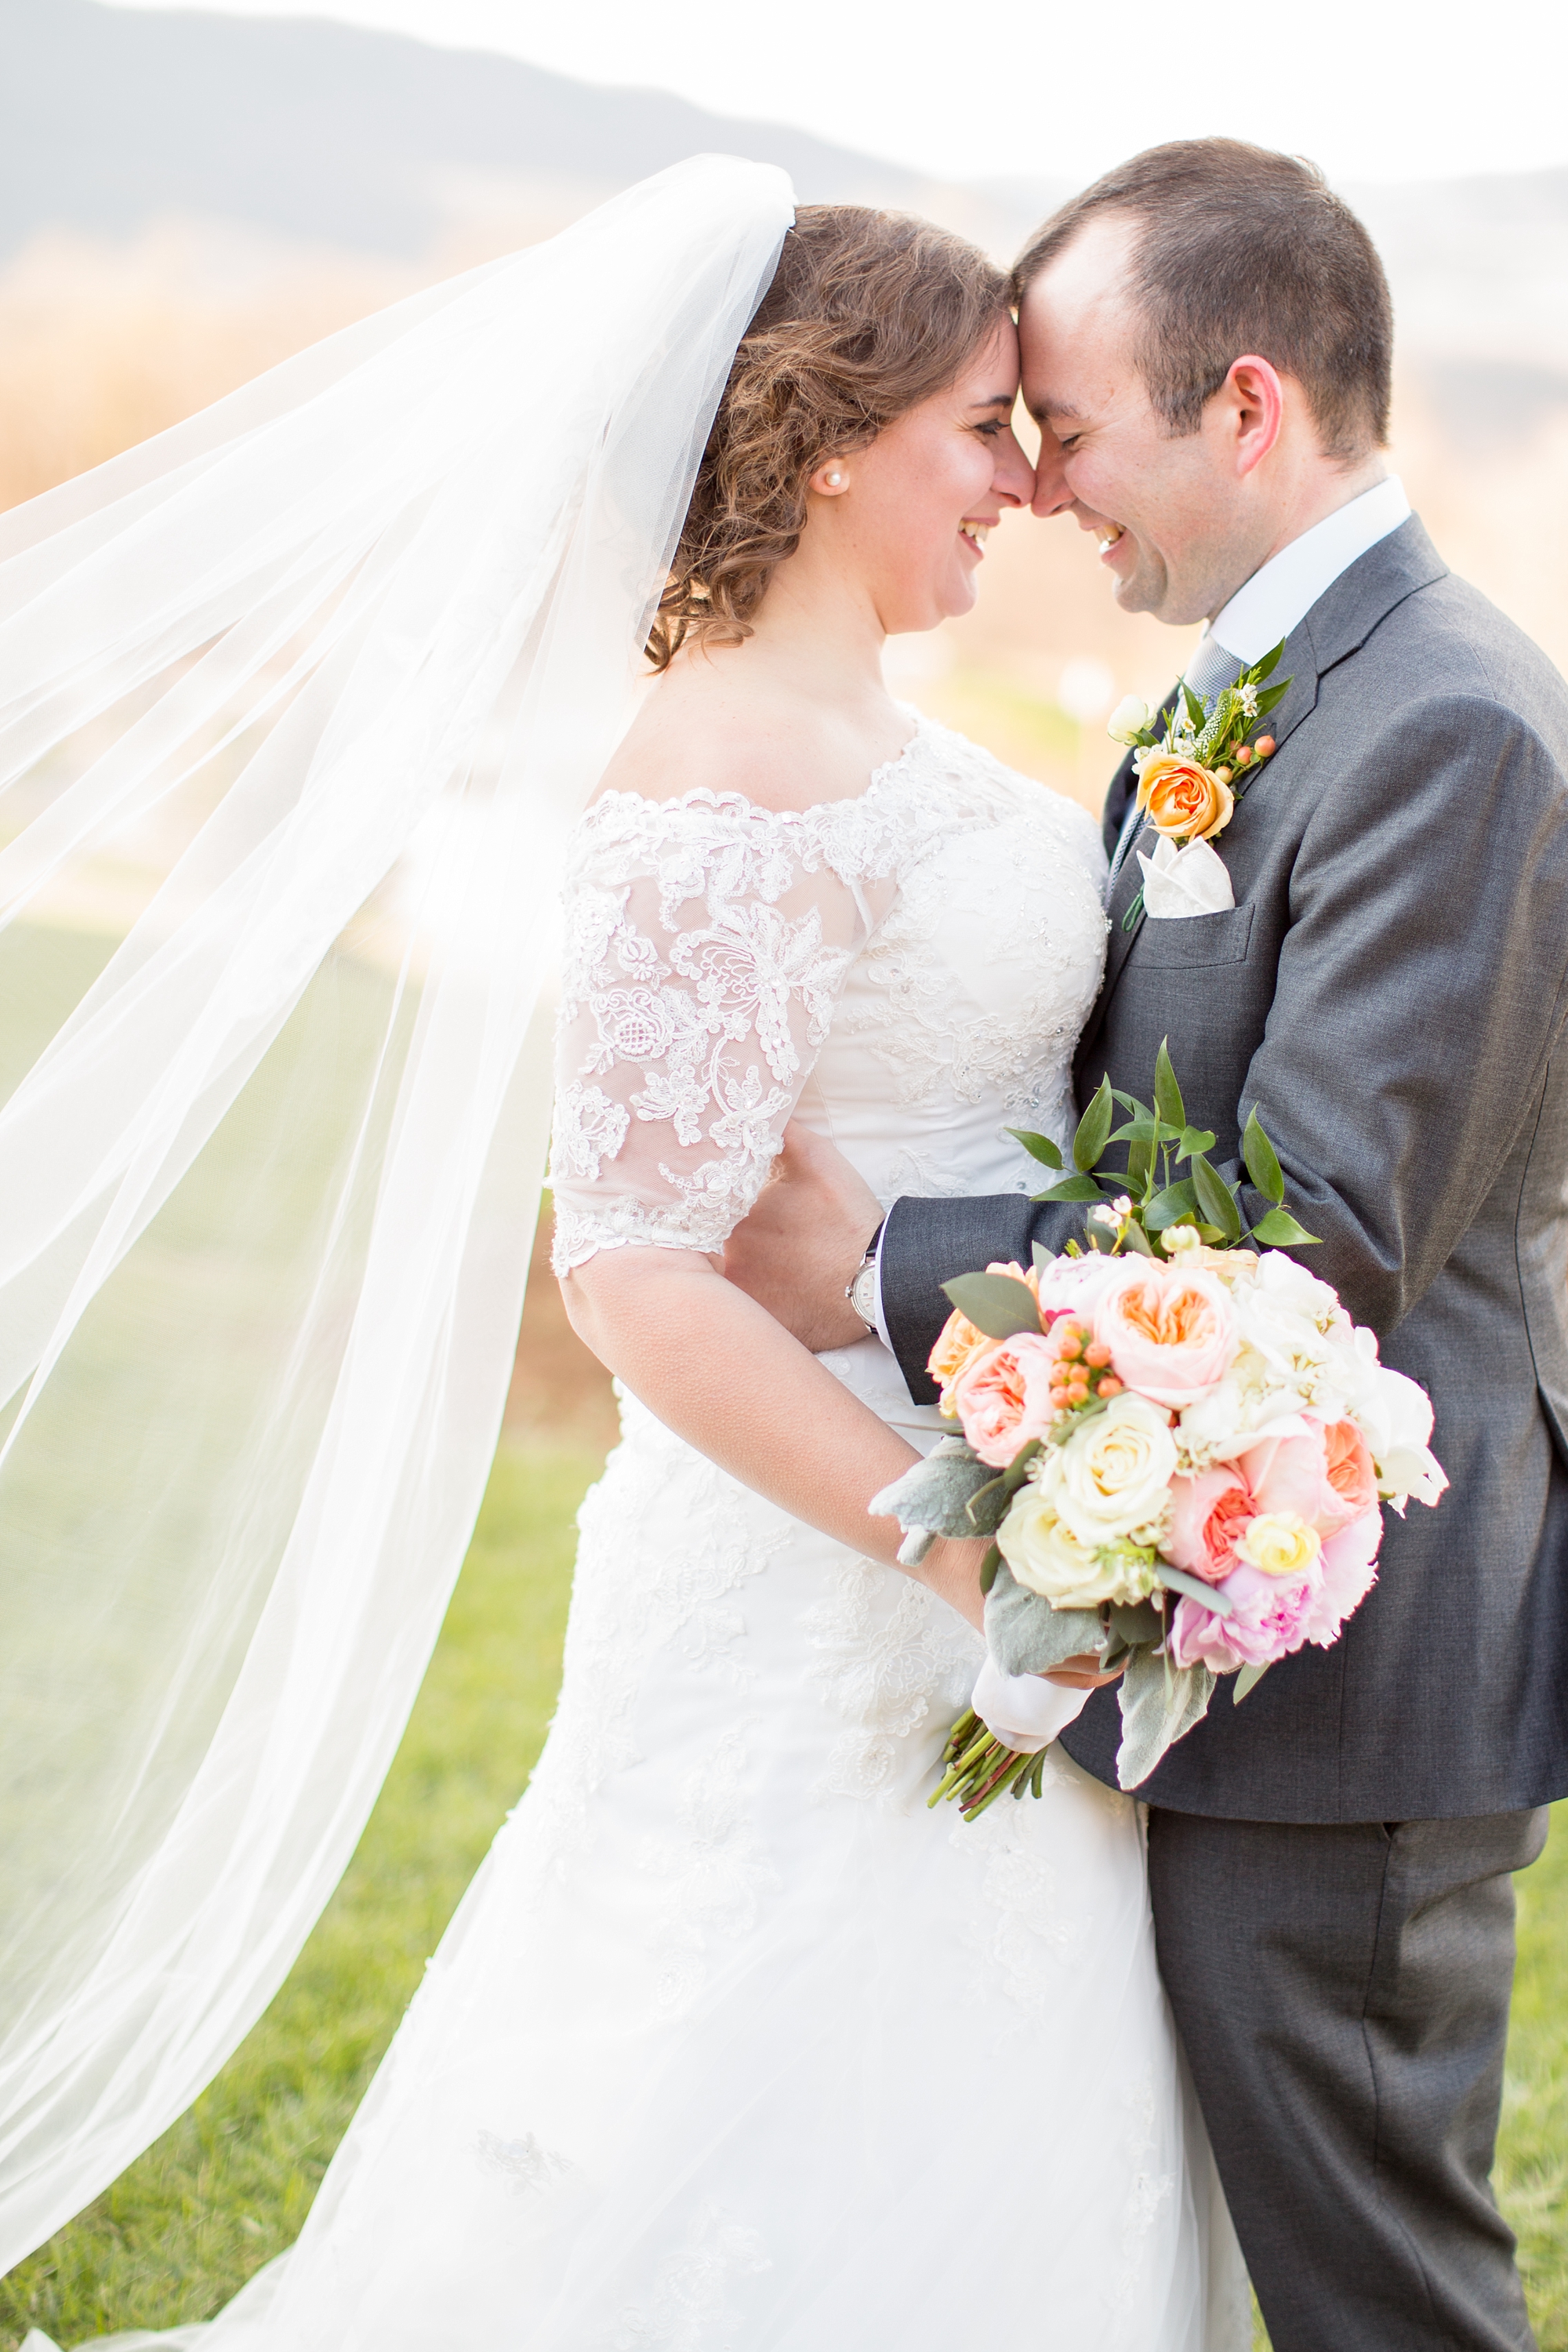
x=1176, y=1580
x=1279, y=1230
x=1159, y=1707
x=996, y=1304
x=1026, y=1636
x=1135, y=1623
x=1167, y=1093
x=1075, y=1187
x=1262, y=1161
x=1042, y=1256
x=1133, y=1239
x=1039, y=1147
x=1248, y=1680
x=1088, y=1143
x=1215, y=1199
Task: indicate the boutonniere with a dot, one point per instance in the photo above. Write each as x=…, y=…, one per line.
x=1190, y=782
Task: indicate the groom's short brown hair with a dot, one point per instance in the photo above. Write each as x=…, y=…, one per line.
x=1239, y=249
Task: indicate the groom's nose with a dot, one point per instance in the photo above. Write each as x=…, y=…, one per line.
x=1052, y=495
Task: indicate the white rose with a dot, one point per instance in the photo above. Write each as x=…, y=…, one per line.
x=1298, y=1325
x=1128, y=720
x=1112, y=1477
x=1395, y=1418
x=1048, y=1558
x=1225, y=1418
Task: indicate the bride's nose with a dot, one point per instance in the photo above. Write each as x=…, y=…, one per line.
x=1015, y=477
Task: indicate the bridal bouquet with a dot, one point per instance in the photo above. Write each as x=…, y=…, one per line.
x=1178, y=1441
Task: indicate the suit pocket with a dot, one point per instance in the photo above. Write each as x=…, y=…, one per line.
x=1195, y=939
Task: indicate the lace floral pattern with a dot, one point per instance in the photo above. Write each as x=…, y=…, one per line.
x=889, y=1655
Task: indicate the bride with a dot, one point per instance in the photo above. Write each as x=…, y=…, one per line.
x=731, y=2042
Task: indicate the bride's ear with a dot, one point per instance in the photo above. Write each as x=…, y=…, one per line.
x=831, y=478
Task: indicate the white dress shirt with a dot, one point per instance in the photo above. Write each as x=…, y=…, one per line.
x=1283, y=590
x=1279, y=593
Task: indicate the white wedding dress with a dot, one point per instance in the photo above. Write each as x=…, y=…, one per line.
x=733, y=2045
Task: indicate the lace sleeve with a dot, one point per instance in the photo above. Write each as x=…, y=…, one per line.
x=706, y=941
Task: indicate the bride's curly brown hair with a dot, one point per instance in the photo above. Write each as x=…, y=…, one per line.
x=869, y=314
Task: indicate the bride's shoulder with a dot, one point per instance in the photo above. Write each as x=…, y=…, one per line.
x=697, y=743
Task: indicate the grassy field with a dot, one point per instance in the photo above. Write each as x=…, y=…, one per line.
x=230, y=2184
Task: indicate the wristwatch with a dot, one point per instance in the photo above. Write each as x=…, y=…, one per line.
x=861, y=1292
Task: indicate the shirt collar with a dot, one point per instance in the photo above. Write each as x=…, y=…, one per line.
x=1285, y=589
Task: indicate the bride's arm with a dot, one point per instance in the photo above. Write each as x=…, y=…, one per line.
x=719, y=1370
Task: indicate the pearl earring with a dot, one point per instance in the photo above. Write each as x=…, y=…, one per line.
x=834, y=480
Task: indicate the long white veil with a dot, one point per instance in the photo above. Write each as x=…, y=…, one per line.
x=297, y=704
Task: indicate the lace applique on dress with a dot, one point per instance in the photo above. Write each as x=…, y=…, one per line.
x=887, y=1653
x=689, y=2308
x=524, y=2164
x=706, y=944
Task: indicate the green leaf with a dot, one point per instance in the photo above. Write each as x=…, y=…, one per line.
x=1279, y=1230
x=1176, y=1580
x=1140, y=1167
x=995, y=1303
x=1215, y=1199
x=1195, y=711
x=1167, y=1093
x=1075, y=1187
x=1169, y=1207
x=1134, y=915
x=1272, y=698
x=988, y=1568
x=1088, y=1143
x=1039, y=1147
x=1248, y=1680
x=1139, y=1621
x=1135, y=1239
x=1193, y=1141
x=1262, y=1162
x=1264, y=668
x=1042, y=1256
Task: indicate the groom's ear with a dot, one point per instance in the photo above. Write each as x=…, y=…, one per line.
x=1252, y=405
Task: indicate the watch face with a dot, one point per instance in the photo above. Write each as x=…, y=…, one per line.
x=863, y=1294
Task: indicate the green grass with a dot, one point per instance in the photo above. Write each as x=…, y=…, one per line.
x=228, y=2187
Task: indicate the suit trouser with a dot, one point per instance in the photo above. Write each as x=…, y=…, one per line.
x=1342, y=1992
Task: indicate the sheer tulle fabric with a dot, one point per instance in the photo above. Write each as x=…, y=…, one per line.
x=298, y=704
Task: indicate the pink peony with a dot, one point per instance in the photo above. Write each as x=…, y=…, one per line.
x=1209, y=1513
x=1349, y=1571
x=1003, y=1399
x=1269, y=1621
x=1171, y=1334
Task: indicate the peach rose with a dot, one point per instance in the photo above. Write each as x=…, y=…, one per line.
x=1004, y=1397
x=1291, y=1474
x=962, y=1343
x=1184, y=799
x=1170, y=1333
x=1349, y=1467
x=1208, y=1512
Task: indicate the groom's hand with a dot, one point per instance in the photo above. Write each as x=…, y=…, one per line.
x=804, y=1242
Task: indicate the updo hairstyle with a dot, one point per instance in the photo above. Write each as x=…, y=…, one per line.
x=869, y=314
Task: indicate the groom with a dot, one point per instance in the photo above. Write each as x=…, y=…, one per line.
x=1205, y=344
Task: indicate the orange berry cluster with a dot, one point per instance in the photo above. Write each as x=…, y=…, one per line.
x=1079, y=1372
x=1246, y=752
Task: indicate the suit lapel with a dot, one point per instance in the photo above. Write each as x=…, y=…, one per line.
x=1338, y=625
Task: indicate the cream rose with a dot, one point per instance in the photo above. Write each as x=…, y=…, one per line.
x=1128, y=720
x=1112, y=1477
x=1047, y=1557
x=1279, y=1543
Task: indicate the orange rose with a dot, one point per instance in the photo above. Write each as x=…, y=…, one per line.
x=1186, y=801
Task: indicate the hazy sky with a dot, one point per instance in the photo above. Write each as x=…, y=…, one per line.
x=1371, y=88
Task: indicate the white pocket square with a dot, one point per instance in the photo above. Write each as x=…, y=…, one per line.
x=1178, y=883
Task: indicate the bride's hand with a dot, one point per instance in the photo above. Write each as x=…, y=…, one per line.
x=804, y=1242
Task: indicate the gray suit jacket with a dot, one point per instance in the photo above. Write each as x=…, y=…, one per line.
x=1390, y=990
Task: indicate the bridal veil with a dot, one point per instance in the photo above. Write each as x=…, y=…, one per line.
x=297, y=705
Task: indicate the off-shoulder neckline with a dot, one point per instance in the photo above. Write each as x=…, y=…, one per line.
x=702, y=795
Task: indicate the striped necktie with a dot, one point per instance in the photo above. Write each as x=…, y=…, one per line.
x=1212, y=666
